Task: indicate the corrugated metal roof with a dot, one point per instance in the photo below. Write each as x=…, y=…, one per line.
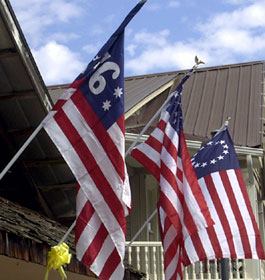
x=210, y=96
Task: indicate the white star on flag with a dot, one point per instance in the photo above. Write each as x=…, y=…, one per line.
x=106, y=105
x=118, y=92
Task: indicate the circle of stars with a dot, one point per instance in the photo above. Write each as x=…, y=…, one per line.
x=215, y=160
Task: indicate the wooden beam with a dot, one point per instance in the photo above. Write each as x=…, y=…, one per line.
x=9, y=52
x=63, y=187
x=22, y=132
x=26, y=94
x=43, y=162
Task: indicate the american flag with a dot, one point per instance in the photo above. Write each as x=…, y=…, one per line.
x=235, y=233
x=182, y=208
x=87, y=126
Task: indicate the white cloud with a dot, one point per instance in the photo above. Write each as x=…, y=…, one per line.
x=223, y=38
x=92, y=48
x=62, y=37
x=173, y=4
x=152, y=39
x=57, y=63
x=37, y=15
x=153, y=6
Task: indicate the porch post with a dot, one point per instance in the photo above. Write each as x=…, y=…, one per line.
x=253, y=269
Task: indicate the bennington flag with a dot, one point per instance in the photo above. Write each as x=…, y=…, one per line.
x=87, y=126
x=235, y=233
x=182, y=208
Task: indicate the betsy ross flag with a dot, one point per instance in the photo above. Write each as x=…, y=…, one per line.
x=182, y=208
x=235, y=233
x=87, y=126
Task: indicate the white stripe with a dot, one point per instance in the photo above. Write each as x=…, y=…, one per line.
x=243, y=209
x=169, y=237
x=87, y=235
x=192, y=204
x=64, y=146
x=171, y=195
x=211, y=205
x=151, y=153
x=228, y=211
x=190, y=250
x=67, y=93
x=81, y=200
x=117, y=136
x=93, y=144
x=104, y=213
x=118, y=272
x=171, y=268
x=102, y=256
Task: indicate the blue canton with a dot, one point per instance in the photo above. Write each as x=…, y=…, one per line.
x=216, y=155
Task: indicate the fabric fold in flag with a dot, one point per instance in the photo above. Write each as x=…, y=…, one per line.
x=182, y=208
x=87, y=126
x=235, y=233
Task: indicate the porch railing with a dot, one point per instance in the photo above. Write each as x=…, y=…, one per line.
x=147, y=257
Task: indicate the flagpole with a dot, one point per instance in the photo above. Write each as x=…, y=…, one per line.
x=21, y=150
x=141, y=229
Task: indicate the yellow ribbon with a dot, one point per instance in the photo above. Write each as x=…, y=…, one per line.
x=57, y=257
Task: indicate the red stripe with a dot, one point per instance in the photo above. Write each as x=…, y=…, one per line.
x=193, y=181
x=172, y=148
x=110, y=265
x=167, y=225
x=215, y=242
x=239, y=219
x=162, y=125
x=93, y=169
x=95, y=246
x=100, y=132
x=199, y=248
x=221, y=212
x=171, y=252
x=83, y=219
x=259, y=245
x=170, y=212
x=154, y=143
x=59, y=104
x=148, y=163
x=121, y=124
x=188, y=219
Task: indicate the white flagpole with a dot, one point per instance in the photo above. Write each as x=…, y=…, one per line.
x=21, y=150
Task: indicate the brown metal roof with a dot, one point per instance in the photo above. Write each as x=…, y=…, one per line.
x=214, y=93
x=209, y=97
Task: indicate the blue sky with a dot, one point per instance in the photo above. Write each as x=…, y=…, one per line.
x=64, y=35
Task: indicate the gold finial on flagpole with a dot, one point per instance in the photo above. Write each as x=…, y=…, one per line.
x=198, y=62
